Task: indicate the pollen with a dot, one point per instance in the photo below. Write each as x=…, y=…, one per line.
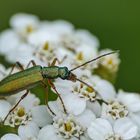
x=46, y=46
x=21, y=112
x=68, y=126
x=90, y=89
x=29, y=29
x=80, y=56
x=110, y=61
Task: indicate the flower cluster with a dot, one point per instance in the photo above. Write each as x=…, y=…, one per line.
x=82, y=112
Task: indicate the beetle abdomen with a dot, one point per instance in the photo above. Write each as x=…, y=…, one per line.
x=21, y=80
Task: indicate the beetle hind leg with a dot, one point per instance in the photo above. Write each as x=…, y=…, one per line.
x=18, y=65
x=13, y=108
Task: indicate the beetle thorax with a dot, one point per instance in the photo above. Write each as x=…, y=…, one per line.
x=50, y=72
x=63, y=73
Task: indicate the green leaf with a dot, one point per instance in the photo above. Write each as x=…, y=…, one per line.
x=41, y=92
x=7, y=129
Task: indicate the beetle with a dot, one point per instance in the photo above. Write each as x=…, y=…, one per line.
x=28, y=78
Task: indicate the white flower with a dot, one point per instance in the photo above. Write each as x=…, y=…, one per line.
x=22, y=113
x=66, y=126
x=24, y=23
x=83, y=54
x=111, y=62
x=18, y=117
x=85, y=96
x=123, y=105
x=78, y=38
x=101, y=129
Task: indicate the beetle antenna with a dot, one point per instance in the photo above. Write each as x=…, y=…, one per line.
x=84, y=83
x=94, y=59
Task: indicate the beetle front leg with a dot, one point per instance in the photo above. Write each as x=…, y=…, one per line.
x=54, y=62
x=12, y=109
x=57, y=60
x=53, y=86
x=46, y=99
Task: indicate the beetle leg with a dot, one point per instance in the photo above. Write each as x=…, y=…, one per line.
x=63, y=59
x=54, y=62
x=18, y=65
x=46, y=99
x=31, y=62
x=53, y=86
x=12, y=109
x=57, y=60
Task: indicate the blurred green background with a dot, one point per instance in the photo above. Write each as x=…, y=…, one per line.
x=115, y=22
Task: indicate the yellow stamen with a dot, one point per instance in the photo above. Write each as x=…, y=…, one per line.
x=46, y=46
x=110, y=61
x=21, y=112
x=80, y=56
x=29, y=29
x=90, y=89
x=68, y=126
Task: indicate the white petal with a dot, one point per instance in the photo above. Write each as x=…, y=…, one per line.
x=55, y=107
x=41, y=37
x=85, y=137
x=89, y=52
x=95, y=107
x=29, y=131
x=135, y=117
x=131, y=100
x=74, y=104
x=4, y=109
x=48, y=133
x=86, y=118
x=99, y=129
x=104, y=88
x=87, y=38
x=63, y=87
x=22, y=20
x=10, y=137
x=9, y=40
x=28, y=102
x=18, y=55
x=59, y=27
x=41, y=116
x=125, y=128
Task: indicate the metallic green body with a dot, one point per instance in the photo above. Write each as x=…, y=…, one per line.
x=29, y=78
x=20, y=81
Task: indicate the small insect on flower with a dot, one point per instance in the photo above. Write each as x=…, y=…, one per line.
x=30, y=77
